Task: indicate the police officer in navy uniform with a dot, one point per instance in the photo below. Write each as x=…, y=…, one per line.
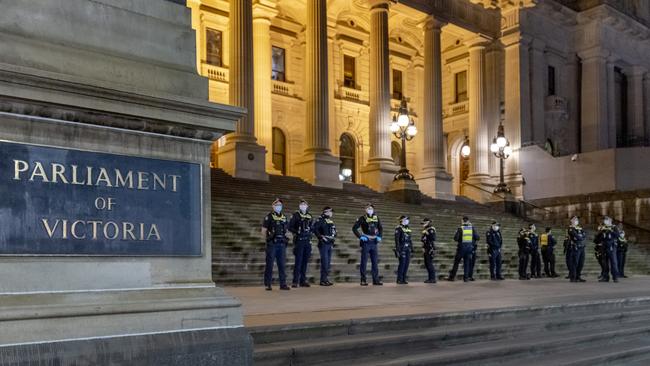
x=494, y=242
x=403, y=248
x=369, y=231
x=608, y=236
x=325, y=231
x=300, y=226
x=621, y=251
x=429, y=248
x=535, y=258
x=467, y=238
x=523, y=242
x=547, y=245
x=274, y=229
x=576, y=250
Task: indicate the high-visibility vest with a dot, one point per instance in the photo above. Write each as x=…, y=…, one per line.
x=468, y=234
x=543, y=240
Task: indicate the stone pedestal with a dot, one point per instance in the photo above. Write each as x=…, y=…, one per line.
x=378, y=175
x=437, y=184
x=320, y=170
x=243, y=159
x=405, y=190
x=507, y=203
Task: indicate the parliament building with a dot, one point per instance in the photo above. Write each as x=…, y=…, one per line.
x=322, y=81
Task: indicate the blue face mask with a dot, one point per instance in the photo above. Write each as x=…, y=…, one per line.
x=277, y=208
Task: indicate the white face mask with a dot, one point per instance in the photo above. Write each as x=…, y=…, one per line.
x=370, y=211
x=532, y=228
x=622, y=234
x=303, y=208
x=495, y=227
x=329, y=213
x=575, y=222
x=405, y=222
x=608, y=222
x=277, y=208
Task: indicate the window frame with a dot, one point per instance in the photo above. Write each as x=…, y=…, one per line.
x=282, y=73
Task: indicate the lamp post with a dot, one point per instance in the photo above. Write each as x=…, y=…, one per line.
x=501, y=149
x=403, y=127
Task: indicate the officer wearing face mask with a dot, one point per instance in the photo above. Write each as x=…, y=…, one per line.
x=325, y=231
x=621, y=251
x=369, y=231
x=467, y=238
x=494, y=243
x=576, y=250
x=429, y=248
x=300, y=226
x=274, y=230
x=607, y=236
x=403, y=248
x=547, y=246
x=535, y=258
x=523, y=242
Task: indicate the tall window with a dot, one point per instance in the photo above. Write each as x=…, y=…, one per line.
x=551, y=81
x=397, y=84
x=347, y=154
x=396, y=152
x=460, y=84
x=214, y=47
x=278, y=71
x=349, y=72
x=279, y=151
x=620, y=108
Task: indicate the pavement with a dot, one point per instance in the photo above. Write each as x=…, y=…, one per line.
x=351, y=301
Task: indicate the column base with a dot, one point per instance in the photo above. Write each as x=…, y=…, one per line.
x=508, y=204
x=378, y=175
x=243, y=159
x=480, y=188
x=437, y=184
x=320, y=169
x=405, y=190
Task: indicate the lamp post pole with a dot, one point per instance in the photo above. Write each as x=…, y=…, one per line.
x=501, y=149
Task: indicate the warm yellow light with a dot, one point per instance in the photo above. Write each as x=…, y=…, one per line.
x=465, y=151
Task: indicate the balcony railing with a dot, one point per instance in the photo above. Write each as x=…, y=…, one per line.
x=215, y=72
x=355, y=95
x=284, y=88
x=457, y=108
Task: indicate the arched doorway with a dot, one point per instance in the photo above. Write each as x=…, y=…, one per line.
x=348, y=155
x=279, y=151
x=396, y=152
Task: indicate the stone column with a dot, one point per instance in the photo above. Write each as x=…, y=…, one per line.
x=317, y=166
x=611, y=95
x=516, y=103
x=478, y=124
x=380, y=170
x=263, y=12
x=636, y=106
x=538, y=93
x=241, y=156
x=493, y=101
x=595, y=129
x=434, y=179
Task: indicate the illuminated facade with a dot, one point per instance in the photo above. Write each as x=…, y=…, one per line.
x=323, y=80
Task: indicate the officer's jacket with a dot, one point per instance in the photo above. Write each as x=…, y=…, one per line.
x=576, y=236
x=466, y=234
x=547, y=241
x=276, y=227
x=523, y=241
x=534, y=241
x=493, y=239
x=301, y=225
x=607, y=236
x=403, y=241
x=429, y=239
x=622, y=241
x=325, y=230
x=369, y=225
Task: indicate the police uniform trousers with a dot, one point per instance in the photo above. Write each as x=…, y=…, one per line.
x=276, y=251
x=369, y=249
x=429, y=265
x=403, y=266
x=612, y=261
x=472, y=261
x=601, y=255
x=621, y=255
x=535, y=263
x=457, y=258
x=524, y=257
x=495, y=262
x=549, y=261
x=576, y=261
x=464, y=253
x=325, y=250
x=302, y=253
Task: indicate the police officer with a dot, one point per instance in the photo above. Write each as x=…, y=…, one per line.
x=535, y=259
x=547, y=245
x=369, y=231
x=523, y=242
x=467, y=238
x=325, y=231
x=429, y=248
x=576, y=250
x=300, y=226
x=403, y=248
x=494, y=242
x=274, y=229
x=621, y=251
x=607, y=236
x=601, y=256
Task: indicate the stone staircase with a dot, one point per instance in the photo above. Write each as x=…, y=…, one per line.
x=239, y=205
x=606, y=332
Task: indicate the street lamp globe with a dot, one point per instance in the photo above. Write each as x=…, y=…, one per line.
x=394, y=127
x=346, y=172
x=465, y=151
x=507, y=151
x=502, y=141
x=403, y=120
x=494, y=148
x=411, y=130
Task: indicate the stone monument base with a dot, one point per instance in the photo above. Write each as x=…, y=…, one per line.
x=405, y=190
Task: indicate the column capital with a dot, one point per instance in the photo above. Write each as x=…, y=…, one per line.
x=379, y=5
x=637, y=70
x=516, y=39
x=264, y=10
x=479, y=41
x=433, y=23
x=594, y=53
